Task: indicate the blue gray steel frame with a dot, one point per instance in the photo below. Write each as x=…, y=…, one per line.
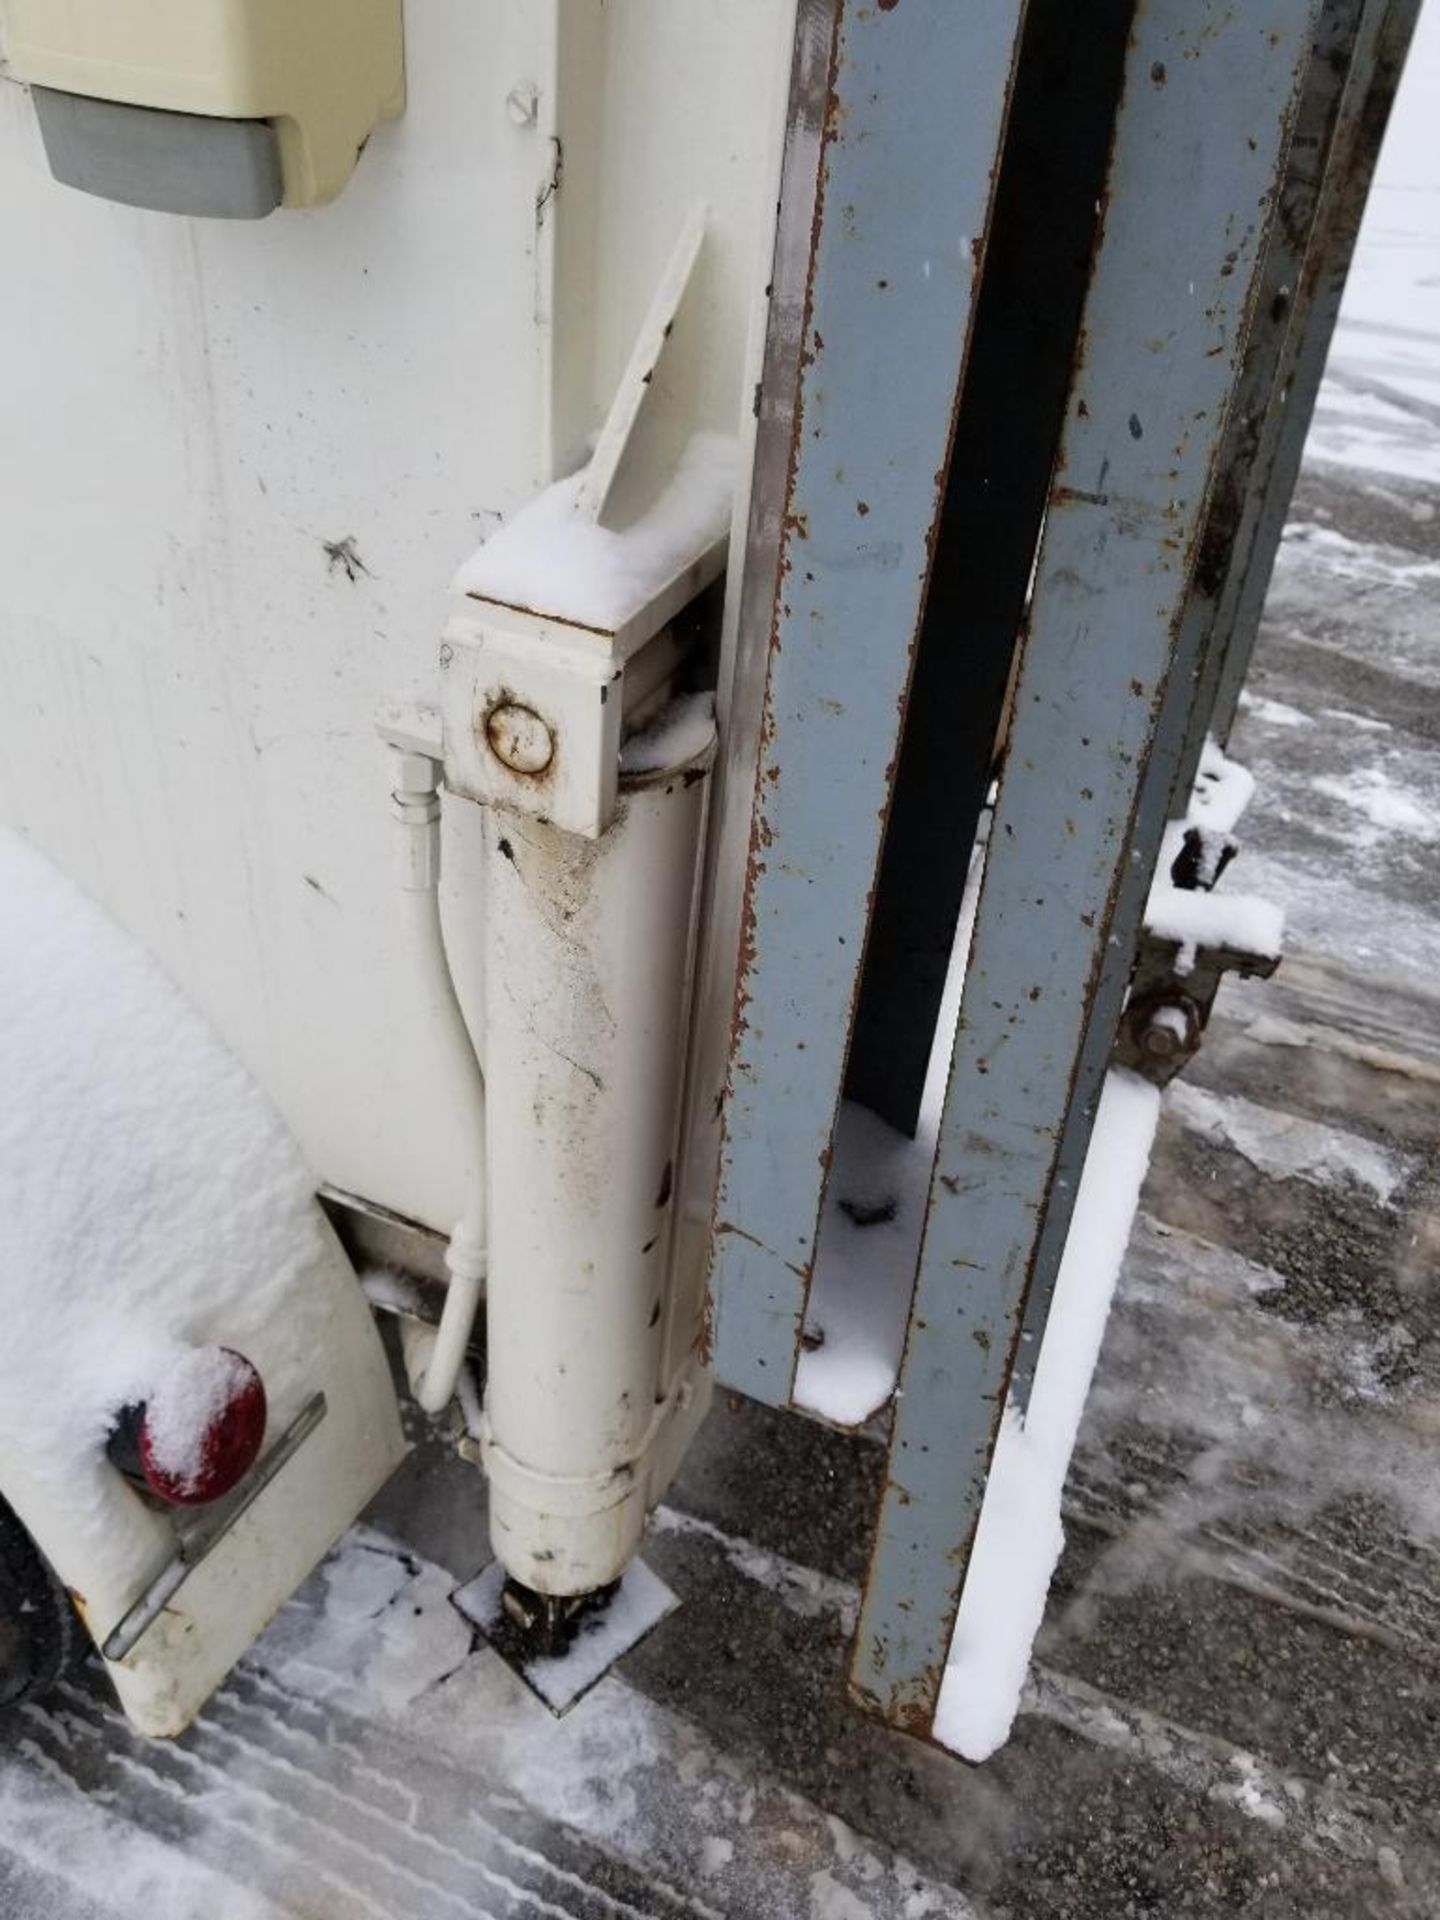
x=897, y=195
x=1200, y=149
x=912, y=124
x=1381, y=46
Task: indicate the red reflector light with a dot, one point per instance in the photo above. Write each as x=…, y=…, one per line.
x=202, y=1431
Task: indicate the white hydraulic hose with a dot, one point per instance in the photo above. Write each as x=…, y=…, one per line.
x=416, y=802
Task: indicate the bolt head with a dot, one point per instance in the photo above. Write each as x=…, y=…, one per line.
x=519, y=738
x=1172, y=1028
x=1160, y=1042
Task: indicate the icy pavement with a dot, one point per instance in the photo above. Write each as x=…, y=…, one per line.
x=1380, y=406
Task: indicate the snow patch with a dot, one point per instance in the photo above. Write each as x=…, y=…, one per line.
x=865, y=1269
x=678, y=734
x=873, y=1221
x=389, y=1632
x=1248, y=1793
x=1223, y=790
x=186, y=1403
x=831, y=1901
x=1364, y=721
x=67, y=1836
x=1194, y=920
x=362, y=1584
x=392, y=1291
x=1370, y=792
x=1019, y=1538
x=1370, y=562
x=716, y=1853
x=551, y=561
x=1274, y=713
x=1285, y=1146
x=803, y=1590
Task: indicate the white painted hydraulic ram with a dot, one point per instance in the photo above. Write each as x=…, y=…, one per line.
x=587, y=970
x=591, y=881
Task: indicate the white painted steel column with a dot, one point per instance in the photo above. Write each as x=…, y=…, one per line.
x=588, y=962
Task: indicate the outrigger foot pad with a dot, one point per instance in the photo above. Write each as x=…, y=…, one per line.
x=560, y=1646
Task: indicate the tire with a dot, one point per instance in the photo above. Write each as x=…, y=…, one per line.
x=39, y=1635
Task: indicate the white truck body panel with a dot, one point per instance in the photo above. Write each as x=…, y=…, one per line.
x=240, y=463
x=243, y=460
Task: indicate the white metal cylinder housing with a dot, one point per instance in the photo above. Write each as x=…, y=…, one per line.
x=587, y=970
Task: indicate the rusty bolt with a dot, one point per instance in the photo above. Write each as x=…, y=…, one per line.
x=519, y=738
x=1169, y=1029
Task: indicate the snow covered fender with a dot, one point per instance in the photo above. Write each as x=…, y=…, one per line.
x=155, y=1205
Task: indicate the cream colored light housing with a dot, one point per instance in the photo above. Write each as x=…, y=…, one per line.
x=321, y=73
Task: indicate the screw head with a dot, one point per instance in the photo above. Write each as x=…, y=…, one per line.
x=522, y=103
x=519, y=738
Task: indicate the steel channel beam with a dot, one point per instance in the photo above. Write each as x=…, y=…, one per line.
x=1244, y=455
x=1346, y=98
x=913, y=122
x=1017, y=380
x=1380, y=59
x=1200, y=146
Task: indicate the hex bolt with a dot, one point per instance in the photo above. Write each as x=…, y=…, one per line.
x=519, y=738
x=1171, y=1028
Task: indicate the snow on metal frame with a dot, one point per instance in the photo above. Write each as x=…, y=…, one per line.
x=1200, y=144
x=913, y=98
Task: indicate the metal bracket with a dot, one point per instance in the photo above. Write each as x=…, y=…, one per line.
x=197, y=1542
x=534, y=694
x=1168, y=1010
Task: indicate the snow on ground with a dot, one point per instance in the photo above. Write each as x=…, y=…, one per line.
x=385, y=1645
x=1291, y=1415
x=1285, y=1145
x=1383, y=806
x=1380, y=405
x=1347, y=840
x=1274, y=713
x=870, y=1232
x=104, y=1856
